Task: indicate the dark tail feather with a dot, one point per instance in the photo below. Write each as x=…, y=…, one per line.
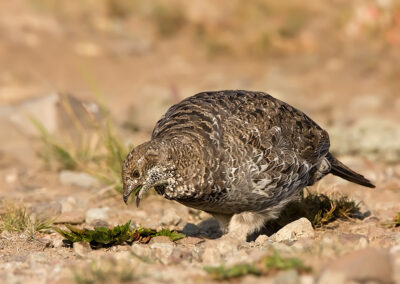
x=341, y=170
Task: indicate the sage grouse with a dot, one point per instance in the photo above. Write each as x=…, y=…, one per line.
x=239, y=155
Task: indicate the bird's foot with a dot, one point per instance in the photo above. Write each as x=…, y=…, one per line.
x=244, y=224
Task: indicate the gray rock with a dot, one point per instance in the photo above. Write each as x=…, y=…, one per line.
x=97, y=214
x=298, y=229
x=82, y=249
x=71, y=203
x=170, y=218
x=51, y=112
x=77, y=179
x=367, y=265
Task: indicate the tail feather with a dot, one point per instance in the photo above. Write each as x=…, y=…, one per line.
x=341, y=170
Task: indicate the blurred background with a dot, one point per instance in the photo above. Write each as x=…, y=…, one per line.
x=335, y=60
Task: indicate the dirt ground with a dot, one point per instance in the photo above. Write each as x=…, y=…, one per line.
x=337, y=61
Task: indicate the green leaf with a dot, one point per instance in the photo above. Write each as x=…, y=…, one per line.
x=173, y=235
x=103, y=236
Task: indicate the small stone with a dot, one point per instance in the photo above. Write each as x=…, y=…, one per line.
x=261, y=240
x=71, y=203
x=58, y=242
x=161, y=240
x=97, y=213
x=170, y=218
x=81, y=248
x=77, y=179
x=301, y=228
x=71, y=217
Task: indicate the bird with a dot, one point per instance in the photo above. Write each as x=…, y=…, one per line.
x=241, y=156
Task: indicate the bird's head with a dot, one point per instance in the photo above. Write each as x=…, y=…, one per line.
x=145, y=167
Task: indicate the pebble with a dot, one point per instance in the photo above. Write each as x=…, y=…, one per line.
x=97, y=214
x=301, y=228
x=161, y=240
x=71, y=203
x=170, y=218
x=261, y=240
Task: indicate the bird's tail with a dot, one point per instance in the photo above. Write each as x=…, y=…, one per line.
x=341, y=170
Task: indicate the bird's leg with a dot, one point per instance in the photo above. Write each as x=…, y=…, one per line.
x=223, y=221
x=246, y=223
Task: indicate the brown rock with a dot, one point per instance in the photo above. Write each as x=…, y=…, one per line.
x=71, y=217
x=160, y=240
x=364, y=266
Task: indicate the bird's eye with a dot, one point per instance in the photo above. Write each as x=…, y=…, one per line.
x=135, y=174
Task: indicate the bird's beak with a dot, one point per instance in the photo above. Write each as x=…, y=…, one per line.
x=139, y=191
x=128, y=191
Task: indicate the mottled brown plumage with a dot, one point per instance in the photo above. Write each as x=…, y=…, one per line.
x=233, y=153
